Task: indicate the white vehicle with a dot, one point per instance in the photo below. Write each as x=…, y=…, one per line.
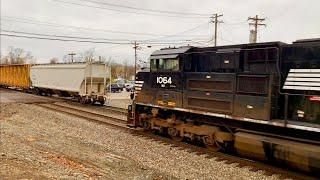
x=84, y=81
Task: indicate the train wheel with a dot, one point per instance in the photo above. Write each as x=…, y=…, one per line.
x=146, y=126
x=38, y=92
x=174, y=134
x=82, y=100
x=209, y=143
x=102, y=102
x=163, y=131
x=88, y=101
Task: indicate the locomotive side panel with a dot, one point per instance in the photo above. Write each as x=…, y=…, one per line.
x=253, y=96
x=212, y=92
x=209, y=101
x=215, y=82
x=228, y=58
x=168, y=98
x=255, y=107
x=167, y=87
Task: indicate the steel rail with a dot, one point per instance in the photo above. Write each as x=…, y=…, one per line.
x=219, y=156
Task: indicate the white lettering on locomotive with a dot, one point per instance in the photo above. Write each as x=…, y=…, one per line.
x=164, y=80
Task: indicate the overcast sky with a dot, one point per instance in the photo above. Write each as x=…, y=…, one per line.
x=287, y=20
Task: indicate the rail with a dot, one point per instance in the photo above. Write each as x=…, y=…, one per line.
x=120, y=124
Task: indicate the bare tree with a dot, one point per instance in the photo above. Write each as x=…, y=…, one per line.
x=66, y=59
x=109, y=62
x=30, y=59
x=17, y=56
x=54, y=60
x=125, y=69
x=87, y=56
x=4, y=60
x=104, y=60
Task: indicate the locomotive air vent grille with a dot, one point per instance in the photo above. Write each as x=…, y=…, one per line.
x=253, y=84
x=223, y=86
x=210, y=104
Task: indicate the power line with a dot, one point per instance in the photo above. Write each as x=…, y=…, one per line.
x=57, y=38
x=30, y=21
x=230, y=35
x=43, y=23
x=90, y=38
x=183, y=32
x=240, y=23
x=134, y=12
x=60, y=39
x=62, y=36
x=144, y=9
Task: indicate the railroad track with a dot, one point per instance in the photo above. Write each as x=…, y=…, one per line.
x=71, y=101
x=116, y=109
x=86, y=114
x=121, y=124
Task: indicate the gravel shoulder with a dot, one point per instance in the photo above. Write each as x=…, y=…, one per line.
x=40, y=144
x=121, y=100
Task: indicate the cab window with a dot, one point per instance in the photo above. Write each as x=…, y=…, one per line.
x=171, y=64
x=161, y=64
x=153, y=64
x=164, y=65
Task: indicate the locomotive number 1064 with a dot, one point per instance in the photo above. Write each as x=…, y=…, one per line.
x=164, y=80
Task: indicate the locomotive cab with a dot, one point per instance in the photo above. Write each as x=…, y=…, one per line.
x=163, y=85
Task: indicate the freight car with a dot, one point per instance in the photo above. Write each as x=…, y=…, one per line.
x=259, y=100
x=20, y=78
x=84, y=81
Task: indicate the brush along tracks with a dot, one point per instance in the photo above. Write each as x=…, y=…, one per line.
x=120, y=123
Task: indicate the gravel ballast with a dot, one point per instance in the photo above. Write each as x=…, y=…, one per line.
x=37, y=143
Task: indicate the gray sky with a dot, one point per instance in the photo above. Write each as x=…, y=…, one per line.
x=287, y=20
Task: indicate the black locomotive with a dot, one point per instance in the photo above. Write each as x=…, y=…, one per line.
x=260, y=100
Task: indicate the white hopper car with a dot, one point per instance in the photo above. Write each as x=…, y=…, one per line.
x=84, y=81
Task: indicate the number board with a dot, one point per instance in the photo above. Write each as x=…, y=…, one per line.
x=168, y=81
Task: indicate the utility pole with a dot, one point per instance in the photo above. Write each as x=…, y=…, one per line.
x=255, y=21
x=135, y=47
x=72, y=54
x=214, y=19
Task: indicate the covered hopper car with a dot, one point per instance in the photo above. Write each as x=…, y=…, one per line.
x=84, y=81
x=259, y=100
